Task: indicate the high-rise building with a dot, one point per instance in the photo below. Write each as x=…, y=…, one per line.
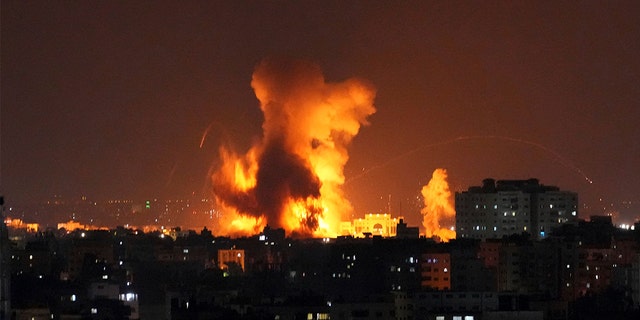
x=507, y=207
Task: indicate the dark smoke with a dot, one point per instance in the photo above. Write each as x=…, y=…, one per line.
x=308, y=124
x=282, y=176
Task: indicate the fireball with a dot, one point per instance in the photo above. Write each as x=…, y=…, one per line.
x=292, y=176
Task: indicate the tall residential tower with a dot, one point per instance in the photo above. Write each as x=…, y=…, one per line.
x=507, y=207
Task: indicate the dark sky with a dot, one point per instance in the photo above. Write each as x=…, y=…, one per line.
x=109, y=99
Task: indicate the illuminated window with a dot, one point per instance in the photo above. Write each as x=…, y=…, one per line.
x=128, y=297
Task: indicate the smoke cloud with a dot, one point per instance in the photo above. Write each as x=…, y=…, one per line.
x=292, y=176
x=438, y=206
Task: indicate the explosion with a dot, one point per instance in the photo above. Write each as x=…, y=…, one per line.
x=438, y=207
x=291, y=178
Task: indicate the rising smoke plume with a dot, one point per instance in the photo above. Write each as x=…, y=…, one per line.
x=438, y=207
x=292, y=177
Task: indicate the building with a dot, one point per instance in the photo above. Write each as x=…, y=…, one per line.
x=404, y=232
x=462, y=305
x=506, y=207
x=230, y=257
x=435, y=271
x=376, y=224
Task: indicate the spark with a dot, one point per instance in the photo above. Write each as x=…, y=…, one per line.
x=221, y=129
x=205, y=133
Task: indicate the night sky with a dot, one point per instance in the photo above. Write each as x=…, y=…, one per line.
x=110, y=99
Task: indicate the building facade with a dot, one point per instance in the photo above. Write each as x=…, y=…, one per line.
x=507, y=207
x=435, y=271
x=378, y=224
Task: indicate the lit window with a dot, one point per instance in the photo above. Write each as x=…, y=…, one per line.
x=94, y=310
x=128, y=297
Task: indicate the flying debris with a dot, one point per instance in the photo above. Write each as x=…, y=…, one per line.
x=292, y=177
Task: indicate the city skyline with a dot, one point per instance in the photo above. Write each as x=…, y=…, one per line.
x=133, y=101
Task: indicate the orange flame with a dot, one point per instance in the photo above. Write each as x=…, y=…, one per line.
x=438, y=206
x=292, y=177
